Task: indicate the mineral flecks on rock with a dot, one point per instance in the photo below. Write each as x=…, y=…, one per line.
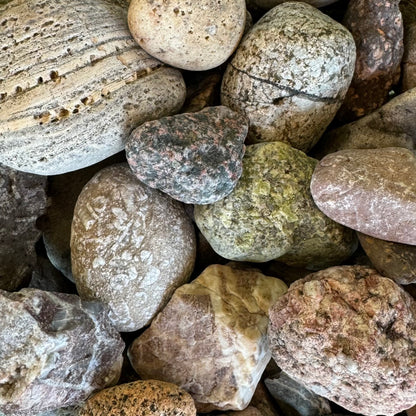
x=55, y=351
x=348, y=334
x=210, y=339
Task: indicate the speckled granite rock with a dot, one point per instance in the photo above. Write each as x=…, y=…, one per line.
x=271, y=214
x=210, y=339
x=393, y=260
x=369, y=190
x=207, y=30
x=131, y=246
x=144, y=398
x=290, y=74
x=348, y=334
x=64, y=411
x=56, y=350
x=408, y=10
x=302, y=401
x=193, y=157
x=377, y=28
x=392, y=125
x=76, y=105
x=22, y=202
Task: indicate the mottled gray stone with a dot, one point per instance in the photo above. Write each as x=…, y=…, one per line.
x=290, y=74
x=369, y=190
x=392, y=125
x=55, y=351
x=131, y=246
x=269, y=4
x=348, y=334
x=270, y=214
x=22, y=202
x=210, y=339
x=193, y=157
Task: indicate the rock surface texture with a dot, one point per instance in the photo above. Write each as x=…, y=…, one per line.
x=194, y=157
x=269, y=4
x=348, y=334
x=369, y=190
x=207, y=31
x=144, y=398
x=211, y=337
x=78, y=104
x=131, y=246
x=290, y=74
x=55, y=351
x=270, y=213
x=377, y=28
x=22, y=202
x=394, y=260
x=408, y=10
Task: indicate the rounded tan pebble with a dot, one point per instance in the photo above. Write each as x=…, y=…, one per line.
x=149, y=397
x=196, y=36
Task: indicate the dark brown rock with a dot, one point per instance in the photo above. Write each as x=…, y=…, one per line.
x=55, y=351
x=22, y=202
x=369, y=190
x=348, y=334
x=408, y=9
x=393, y=260
x=377, y=28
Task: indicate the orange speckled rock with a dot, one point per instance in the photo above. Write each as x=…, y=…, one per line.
x=149, y=397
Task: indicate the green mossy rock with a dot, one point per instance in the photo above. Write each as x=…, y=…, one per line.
x=271, y=214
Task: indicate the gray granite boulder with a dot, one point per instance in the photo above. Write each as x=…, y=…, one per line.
x=193, y=157
x=290, y=74
x=55, y=351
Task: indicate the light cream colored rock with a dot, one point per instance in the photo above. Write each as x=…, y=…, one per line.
x=131, y=246
x=210, y=339
x=72, y=87
x=290, y=74
x=196, y=36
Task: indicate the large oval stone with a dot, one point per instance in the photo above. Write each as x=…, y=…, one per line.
x=369, y=190
x=71, y=87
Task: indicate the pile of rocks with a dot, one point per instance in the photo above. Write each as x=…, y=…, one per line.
x=207, y=207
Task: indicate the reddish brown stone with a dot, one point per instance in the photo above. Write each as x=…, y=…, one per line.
x=408, y=9
x=377, y=28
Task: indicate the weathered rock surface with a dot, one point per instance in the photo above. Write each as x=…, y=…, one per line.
x=131, y=246
x=195, y=158
x=394, y=260
x=408, y=10
x=210, y=339
x=78, y=104
x=301, y=401
x=377, y=28
x=22, y=202
x=63, y=411
x=269, y=4
x=392, y=125
x=55, y=351
x=290, y=74
x=145, y=398
x=369, y=190
x=270, y=213
x=347, y=333
x=208, y=31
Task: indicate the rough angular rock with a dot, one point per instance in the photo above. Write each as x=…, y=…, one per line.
x=131, y=246
x=348, y=334
x=369, y=190
x=208, y=31
x=290, y=74
x=55, y=351
x=270, y=213
x=408, y=10
x=210, y=339
x=76, y=105
x=377, y=28
x=392, y=125
x=193, y=157
x=22, y=202
x=301, y=401
x=393, y=260
x=145, y=398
